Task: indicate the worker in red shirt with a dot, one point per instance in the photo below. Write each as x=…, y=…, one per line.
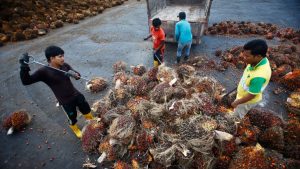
x=158, y=36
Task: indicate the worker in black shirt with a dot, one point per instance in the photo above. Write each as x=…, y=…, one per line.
x=67, y=95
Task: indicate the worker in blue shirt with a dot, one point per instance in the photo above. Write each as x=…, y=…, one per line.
x=183, y=33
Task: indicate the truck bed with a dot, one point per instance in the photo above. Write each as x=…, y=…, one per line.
x=197, y=13
x=193, y=13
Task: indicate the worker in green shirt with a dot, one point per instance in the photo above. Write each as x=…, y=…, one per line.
x=255, y=78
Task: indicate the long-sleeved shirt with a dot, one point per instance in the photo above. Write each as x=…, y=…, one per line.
x=59, y=82
x=183, y=32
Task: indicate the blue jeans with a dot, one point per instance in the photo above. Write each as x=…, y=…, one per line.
x=186, y=46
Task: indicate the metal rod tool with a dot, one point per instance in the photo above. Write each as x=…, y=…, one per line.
x=70, y=73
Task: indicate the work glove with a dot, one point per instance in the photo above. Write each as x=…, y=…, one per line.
x=72, y=73
x=24, y=58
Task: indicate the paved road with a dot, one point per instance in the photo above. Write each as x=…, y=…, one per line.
x=92, y=47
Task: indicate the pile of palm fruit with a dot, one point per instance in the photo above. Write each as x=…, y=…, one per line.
x=268, y=30
x=169, y=117
x=23, y=20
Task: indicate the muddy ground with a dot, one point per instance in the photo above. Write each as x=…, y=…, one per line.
x=91, y=47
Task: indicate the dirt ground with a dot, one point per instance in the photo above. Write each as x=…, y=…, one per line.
x=91, y=47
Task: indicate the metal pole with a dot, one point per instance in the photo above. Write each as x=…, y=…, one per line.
x=34, y=61
x=157, y=58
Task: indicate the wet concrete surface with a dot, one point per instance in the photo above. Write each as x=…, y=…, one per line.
x=91, y=47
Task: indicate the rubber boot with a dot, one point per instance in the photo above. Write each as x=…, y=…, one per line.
x=178, y=60
x=186, y=58
x=88, y=116
x=76, y=130
x=155, y=63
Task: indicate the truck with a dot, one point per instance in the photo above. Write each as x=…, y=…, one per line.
x=197, y=14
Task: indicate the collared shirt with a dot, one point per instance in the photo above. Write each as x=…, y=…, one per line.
x=255, y=80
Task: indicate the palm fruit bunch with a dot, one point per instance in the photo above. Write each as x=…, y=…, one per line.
x=197, y=132
x=122, y=95
x=122, y=165
x=121, y=76
x=151, y=74
x=113, y=113
x=151, y=85
x=110, y=99
x=183, y=157
x=226, y=123
x=140, y=159
x=96, y=84
x=111, y=150
x=133, y=80
x=199, y=161
x=236, y=58
x=139, y=150
x=228, y=148
x=292, y=138
x=16, y=121
x=293, y=102
x=185, y=71
x=138, y=84
x=196, y=61
x=286, y=33
x=164, y=154
x=149, y=109
x=247, y=133
x=156, y=164
x=100, y=107
x=257, y=157
x=210, y=86
x=292, y=80
x=108, y=151
x=281, y=71
x=178, y=92
x=185, y=107
x=292, y=131
x=273, y=138
x=122, y=128
x=263, y=119
x=92, y=135
x=133, y=104
x=142, y=88
x=119, y=66
x=222, y=162
x=159, y=94
x=165, y=74
x=148, y=124
x=143, y=140
x=139, y=70
x=206, y=104
x=119, y=96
